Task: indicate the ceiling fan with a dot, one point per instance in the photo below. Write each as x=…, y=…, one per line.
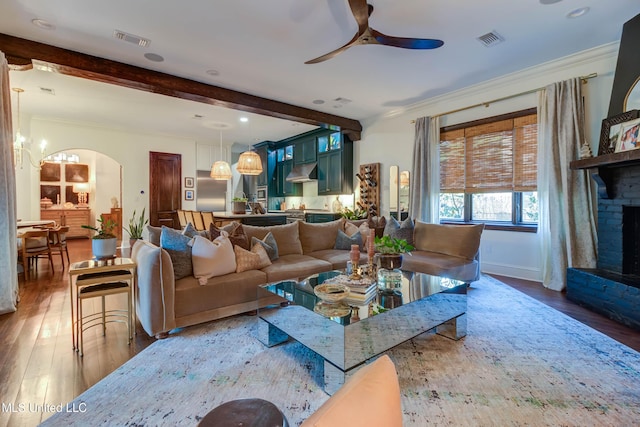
x=366, y=35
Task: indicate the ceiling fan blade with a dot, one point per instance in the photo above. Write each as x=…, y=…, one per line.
x=406, y=42
x=333, y=53
x=360, y=11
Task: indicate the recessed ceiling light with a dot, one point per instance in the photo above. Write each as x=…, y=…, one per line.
x=41, y=23
x=549, y=1
x=213, y=72
x=244, y=119
x=318, y=101
x=576, y=13
x=153, y=57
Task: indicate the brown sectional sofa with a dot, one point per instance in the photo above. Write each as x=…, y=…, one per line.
x=164, y=303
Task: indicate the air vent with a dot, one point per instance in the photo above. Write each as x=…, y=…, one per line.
x=47, y=90
x=131, y=38
x=491, y=39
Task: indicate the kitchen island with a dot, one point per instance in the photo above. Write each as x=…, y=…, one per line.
x=265, y=219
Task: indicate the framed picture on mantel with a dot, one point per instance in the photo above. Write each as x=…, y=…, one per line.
x=628, y=136
x=610, y=132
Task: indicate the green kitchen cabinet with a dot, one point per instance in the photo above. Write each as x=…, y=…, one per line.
x=305, y=151
x=335, y=169
x=283, y=187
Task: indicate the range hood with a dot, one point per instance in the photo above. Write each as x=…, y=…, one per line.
x=303, y=173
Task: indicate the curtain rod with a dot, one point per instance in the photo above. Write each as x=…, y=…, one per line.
x=504, y=98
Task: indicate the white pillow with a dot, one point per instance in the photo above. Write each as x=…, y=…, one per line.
x=212, y=258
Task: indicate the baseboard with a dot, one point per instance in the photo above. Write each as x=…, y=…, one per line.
x=517, y=272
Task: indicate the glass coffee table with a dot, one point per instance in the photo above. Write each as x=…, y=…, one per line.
x=346, y=335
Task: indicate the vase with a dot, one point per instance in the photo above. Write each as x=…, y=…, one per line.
x=239, y=207
x=104, y=248
x=390, y=261
x=131, y=243
x=389, y=274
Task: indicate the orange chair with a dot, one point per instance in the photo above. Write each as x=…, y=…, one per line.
x=208, y=219
x=198, y=223
x=182, y=219
x=188, y=215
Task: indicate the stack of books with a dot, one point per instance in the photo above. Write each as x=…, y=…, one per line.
x=361, y=294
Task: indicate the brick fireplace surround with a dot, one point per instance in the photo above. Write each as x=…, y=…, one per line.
x=613, y=288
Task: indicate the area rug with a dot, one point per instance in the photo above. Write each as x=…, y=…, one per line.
x=521, y=364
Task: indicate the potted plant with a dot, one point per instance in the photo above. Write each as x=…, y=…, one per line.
x=353, y=214
x=390, y=250
x=136, y=227
x=104, y=243
x=239, y=205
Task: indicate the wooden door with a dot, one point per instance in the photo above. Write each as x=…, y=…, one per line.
x=165, y=180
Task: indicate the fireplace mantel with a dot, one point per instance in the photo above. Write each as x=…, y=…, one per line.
x=605, y=163
x=612, y=160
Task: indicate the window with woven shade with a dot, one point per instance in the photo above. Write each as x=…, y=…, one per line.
x=488, y=169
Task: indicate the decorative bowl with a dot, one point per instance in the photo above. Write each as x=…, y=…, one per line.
x=332, y=309
x=331, y=292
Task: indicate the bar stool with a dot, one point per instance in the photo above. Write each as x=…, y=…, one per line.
x=103, y=284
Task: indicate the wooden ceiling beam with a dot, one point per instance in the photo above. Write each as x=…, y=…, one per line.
x=20, y=52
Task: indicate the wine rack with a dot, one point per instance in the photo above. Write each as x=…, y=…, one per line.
x=369, y=177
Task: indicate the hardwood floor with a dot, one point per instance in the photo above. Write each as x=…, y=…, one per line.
x=39, y=367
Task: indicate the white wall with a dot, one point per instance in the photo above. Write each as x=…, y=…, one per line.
x=389, y=139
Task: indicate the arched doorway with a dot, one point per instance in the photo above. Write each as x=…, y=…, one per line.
x=90, y=183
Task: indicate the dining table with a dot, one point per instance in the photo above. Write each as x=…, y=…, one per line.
x=35, y=223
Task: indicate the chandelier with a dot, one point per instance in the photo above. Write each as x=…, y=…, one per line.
x=19, y=150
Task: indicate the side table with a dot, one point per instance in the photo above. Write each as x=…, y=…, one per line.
x=100, y=278
x=246, y=413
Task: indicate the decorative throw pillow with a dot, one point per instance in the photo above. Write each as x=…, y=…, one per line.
x=398, y=230
x=177, y=245
x=269, y=244
x=350, y=229
x=377, y=223
x=212, y=258
x=236, y=234
x=344, y=242
x=154, y=234
x=190, y=231
x=255, y=259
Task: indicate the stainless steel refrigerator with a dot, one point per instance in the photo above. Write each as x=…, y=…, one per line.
x=211, y=194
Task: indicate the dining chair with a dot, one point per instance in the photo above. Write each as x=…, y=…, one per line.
x=35, y=245
x=198, y=222
x=189, y=218
x=208, y=219
x=182, y=219
x=58, y=243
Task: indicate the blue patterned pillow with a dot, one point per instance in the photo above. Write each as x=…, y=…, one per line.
x=344, y=242
x=269, y=244
x=177, y=245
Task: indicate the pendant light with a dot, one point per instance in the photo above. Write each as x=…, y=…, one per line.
x=249, y=163
x=220, y=169
x=18, y=143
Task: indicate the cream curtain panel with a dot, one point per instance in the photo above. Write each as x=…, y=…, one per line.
x=424, y=188
x=8, y=245
x=567, y=224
